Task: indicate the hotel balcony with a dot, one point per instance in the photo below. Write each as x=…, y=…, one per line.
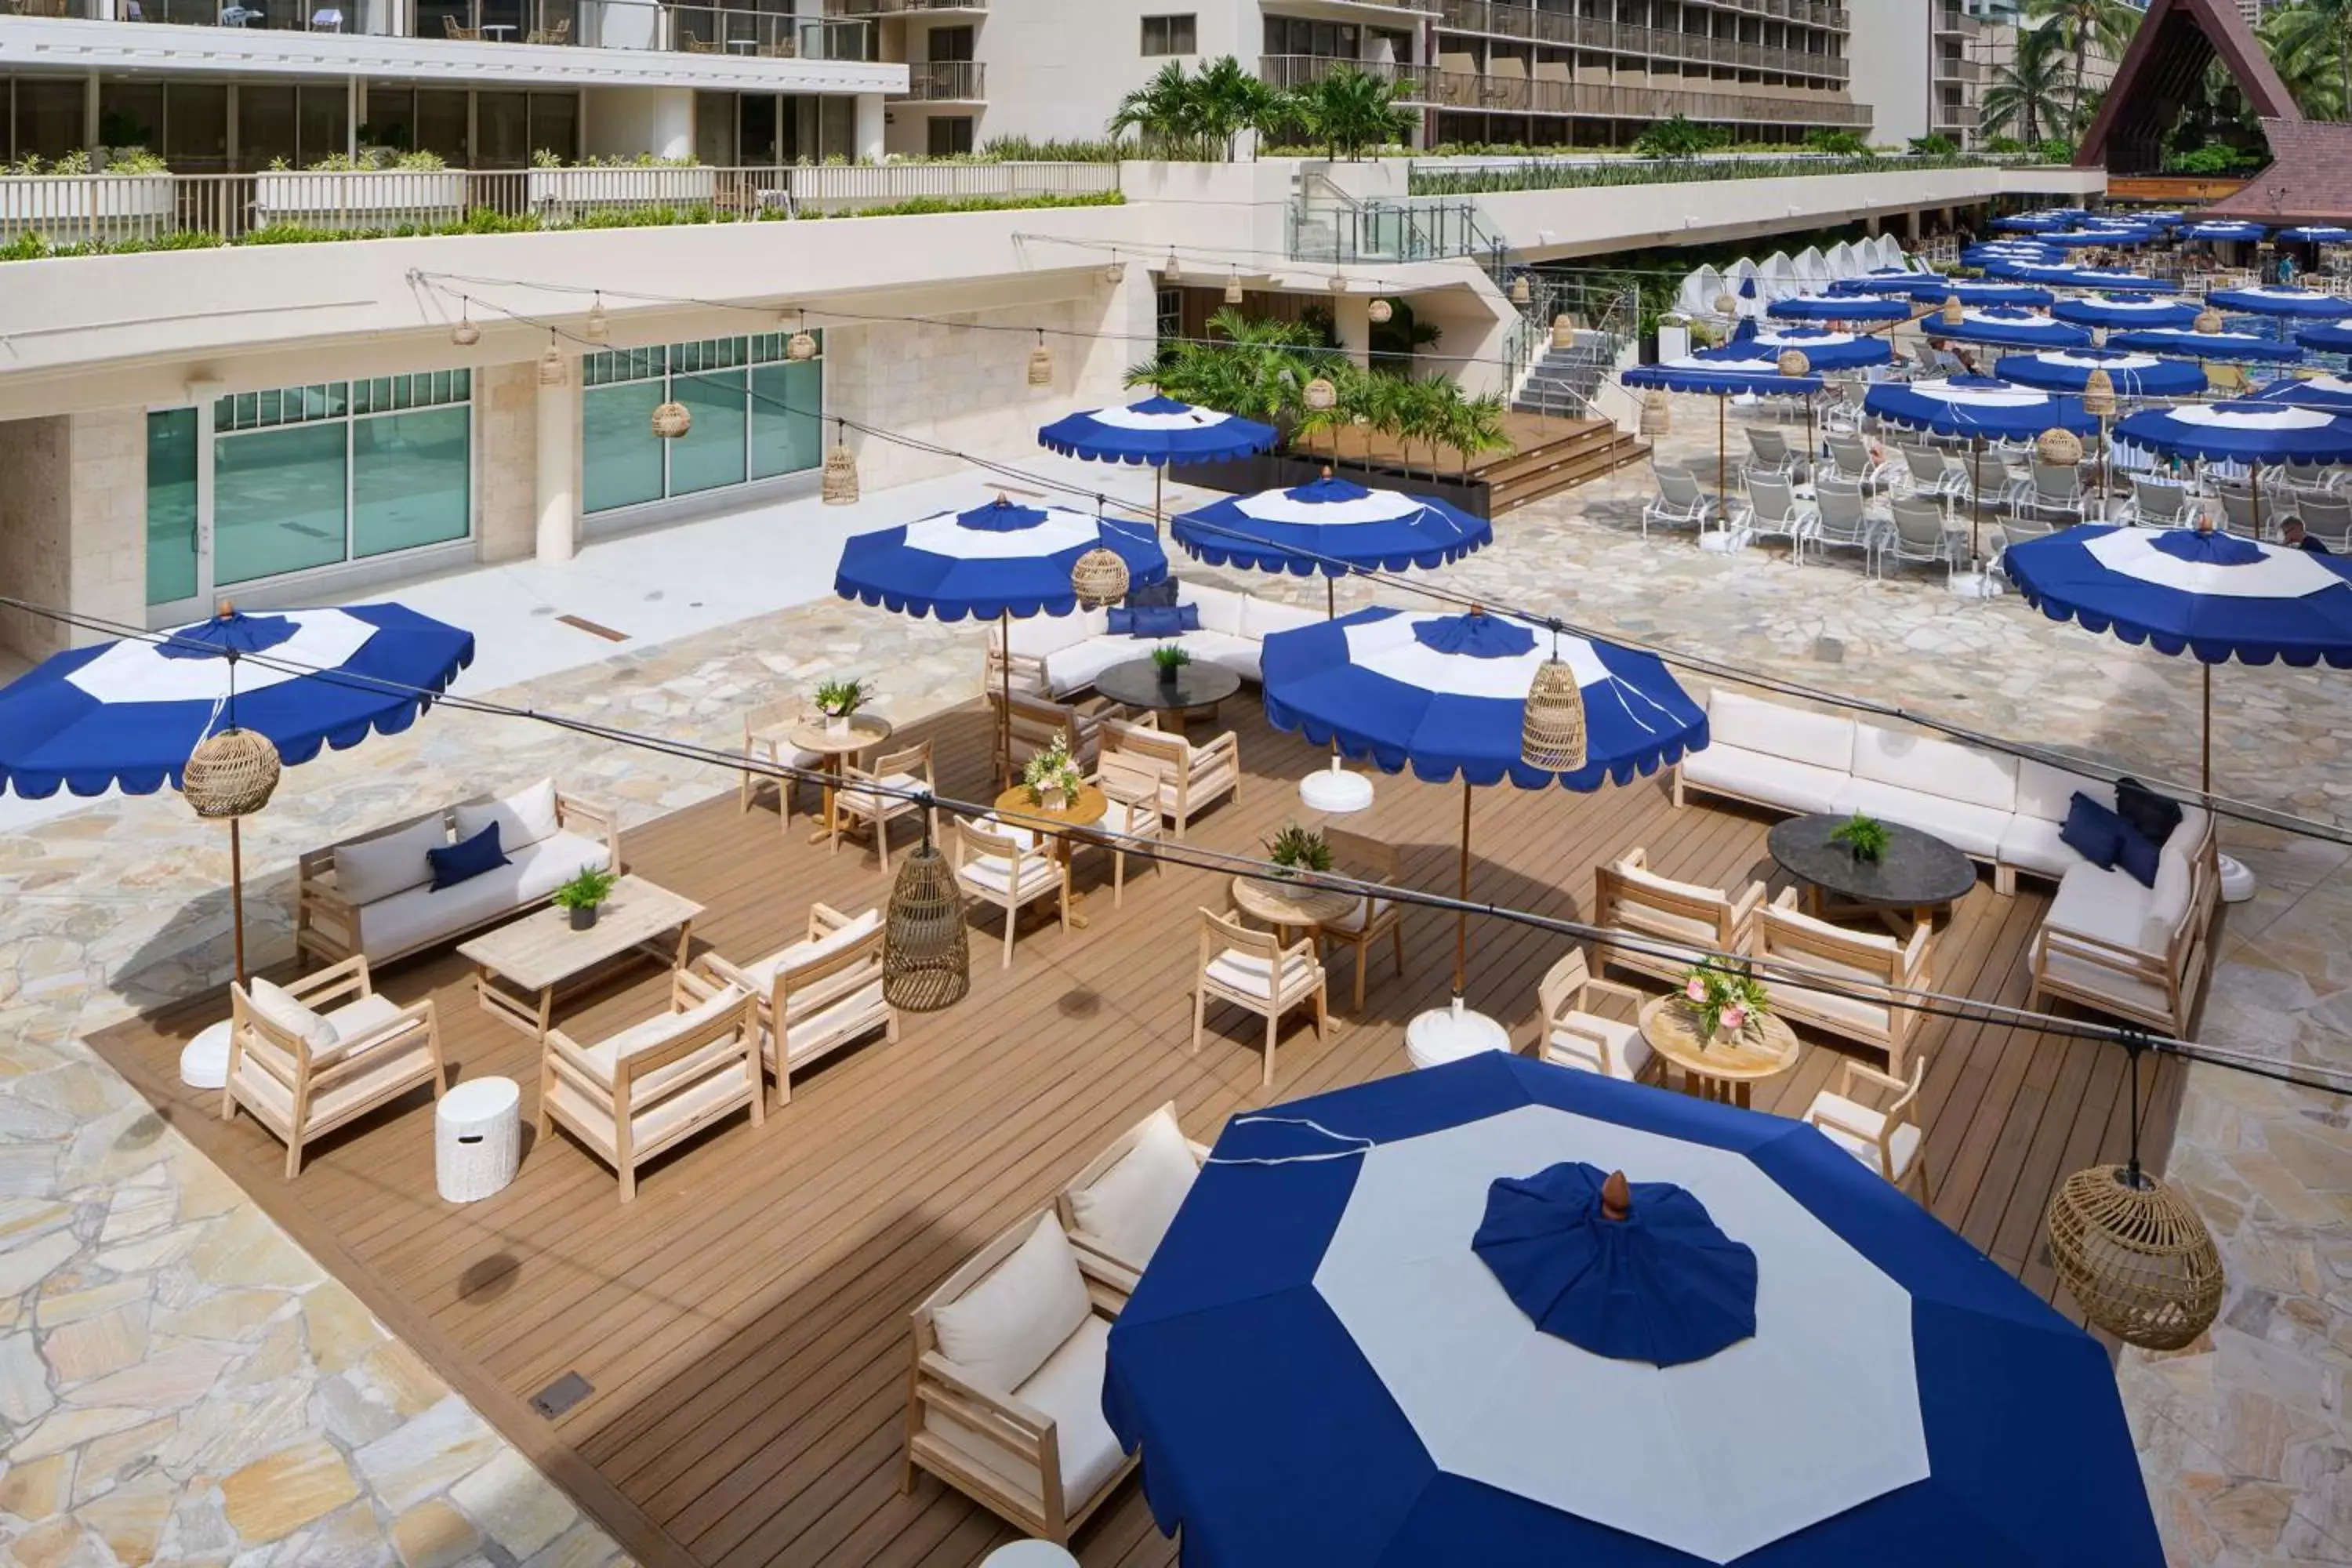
x=1493, y=18
x=946, y=82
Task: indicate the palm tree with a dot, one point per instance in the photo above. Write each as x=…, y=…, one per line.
x=1260, y=370
x=2022, y=98
x=1164, y=112
x=1474, y=426
x=2309, y=41
x=1229, y=99
x=1348, y=110
x=1424, y=413
x=2083, y=24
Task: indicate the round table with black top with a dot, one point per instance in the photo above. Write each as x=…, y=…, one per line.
x=1917, y=874
x=1197, y=685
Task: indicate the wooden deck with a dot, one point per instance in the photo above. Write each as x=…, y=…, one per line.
x=744, y=1321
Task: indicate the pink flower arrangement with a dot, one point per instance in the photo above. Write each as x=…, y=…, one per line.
x=1726, y=996
x=1695, y=990
x=1734, y=1017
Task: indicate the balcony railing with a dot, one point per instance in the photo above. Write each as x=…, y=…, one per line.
x=947, y=82
x=1434, y=86
x=1951, y=69
x=1494, y=19
x=1414, y=84
x=897, y=7
x=104, y=210
x=1956, y=116
x=741, y=30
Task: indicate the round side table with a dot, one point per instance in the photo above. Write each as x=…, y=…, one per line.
x=1084, y=809
x=817, y=736
x=476, y=1139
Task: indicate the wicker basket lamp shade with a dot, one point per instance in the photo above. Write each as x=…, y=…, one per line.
x=1337, y=283
x=801, y=345
x=1100, y=578
x=1321, y=395
x=1379, y=312
x=1520, y=292
x=232, y=772
x=1954, y=314
x=1115, y=273
x=1794, y=363
x=840, y=486
x=1727, y=304
x=1552, y=735
x=2099, y=395
x=1563, y=332
x=2209, y=320
x=672, y=420
x=2135, y=1257
x=1657, y=415
x=1041, y=362
x=1233, y=288
x=926, y=956
x=464, y=334
x=1174, y=271
x=599, y=326
x=551, y=371
x=2059, y=448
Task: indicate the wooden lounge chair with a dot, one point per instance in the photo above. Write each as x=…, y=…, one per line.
x=1255, y=972
x=1889, y=1141
x=815, y=996
x=1191, y=778
x=1131, y=812
x=1570, y=1034
x=1038, y=722
x=1864, y=967
x=872, y=801
x=322, y=1050
x=1368, y=859
x=767, y=738
x=1119, y=1206
x=1682, y=918
x=998, y=864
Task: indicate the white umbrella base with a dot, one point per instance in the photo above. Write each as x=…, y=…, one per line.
x=2238, y=882
x=204, y=1064
x=1334, y=791
x=1978, y=585
x=1445, y=1034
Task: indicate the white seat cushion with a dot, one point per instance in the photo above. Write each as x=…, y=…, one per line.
x=356, y=1019
x=1040, y=636
x=1074, y=669
x=994, y=875
x=830, y=1020
x=1002, y=1330
x=1355, y=919
x=802, y=952
x=1118, y=816
x=381, y=866
x=290, y=1017
x=423, y=915
x=1246, y=972
x=1261, y=617
x=1129, y=1206
x=606, y=1055
x=2086, y=981
x=1571, y=1046
x=2104, y=905
x=524, y=818
x=857, y=798
x=1069, y=1388
x=1903, y=1147
x=2032, y=844
x=1762, y=777
x=1775, y=728
x=1227, y=650
x=2048, y=792
x=1971, y=828
x=1937, y=768
x=1221, y=609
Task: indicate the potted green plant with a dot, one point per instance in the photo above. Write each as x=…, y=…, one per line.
x=1727, y=998
x=583, y=895
x=1170, y=659
x=837, y=699
x=1053, y=775
x=1298, y=851
x=1865, y=838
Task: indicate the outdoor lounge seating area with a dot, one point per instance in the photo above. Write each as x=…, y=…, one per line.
x=743, y=1323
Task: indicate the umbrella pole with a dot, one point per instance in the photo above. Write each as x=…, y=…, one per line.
x=1462, y=916
x=1159, y=490
x=1722, y=486
x=2208, y=735
x=1976, y=513
x=236, y=891
x=1005, y=706
x=1330, y=598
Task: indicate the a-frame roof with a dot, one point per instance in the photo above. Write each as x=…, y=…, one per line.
x=2309, y=179
x=2176, y=41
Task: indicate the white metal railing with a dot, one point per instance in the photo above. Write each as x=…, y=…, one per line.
x=106, y=209
x=1513, y=19
x=946, y=82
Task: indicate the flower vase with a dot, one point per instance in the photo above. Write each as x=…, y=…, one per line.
x=583, y=916
x=1052, y=798
x=836, y=726
x=1168, y=674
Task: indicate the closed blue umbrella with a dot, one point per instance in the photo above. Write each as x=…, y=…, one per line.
x=2012, y=329
x=2100, y=310
x=1938, y=289
x=1159, y=431
x=2226, y=347
x=2270, y=299
x=2332, y=337
x=2134, y=375
x=1838, y=308
x=1400, y=1323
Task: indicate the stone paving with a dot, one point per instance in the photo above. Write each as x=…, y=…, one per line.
x=179, y=1384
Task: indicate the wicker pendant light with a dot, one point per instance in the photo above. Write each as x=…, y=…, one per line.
x=231, y=772
x=840, y=469
x=1321, y=395
x=1233, y=286
x=2060, y=448
x=1563, y=332
x=926, y=955
x=1041, y=362
x=2099, y=395
x=2209, y=320
x=1953, y=313
x=551, y=365
x=1794, y=363
x=1379, y=312
x=1100, y=578
x=599, y=326
x=1657, y=418
x=2130, y=1250
x=1173, y=272
x=1115, y=273
x=1520, y=293
x=672, y=420
x=1552, y=735
x=2098, y=337
x=1337, y=283
x=801, y=345
x=464, y=334
x=1726, y=305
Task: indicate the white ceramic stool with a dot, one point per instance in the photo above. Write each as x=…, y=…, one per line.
x=476, y=1139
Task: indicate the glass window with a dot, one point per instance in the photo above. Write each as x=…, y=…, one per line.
x=48, y=116
x=441, y=124
x=502, y=126
x=265, y=125
x=130, y=114
x=950, y=43
x=621, y=457
x=325, y=117
x=1170, y=35
x=554, y=124
x=949, y=134
x=196, y=125
x=710, y=454
x=391, y=117
x=171, y=505
x=410, y=479
x=277, y=501
x=714, y=128
x=787, y=433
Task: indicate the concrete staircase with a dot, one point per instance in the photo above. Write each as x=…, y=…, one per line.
x=1564, y=381
x=1554, y=455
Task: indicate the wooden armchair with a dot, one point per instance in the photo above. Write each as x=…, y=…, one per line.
x=1004, y=1398
x=858, y=806
x=1118, y=1207
x=1132, y=796
x=1191, y=778
x=322, y=1050
x=1866, y=967
x=1892, y=1141
x=464, y=34
x=1570, y=1034
x=1037, y=720
x=1676, y=922
x=767, y=738
x=653, y=1086
x=1001, y=865
x=818, y=994
x=1368, y=859
x=560, y=33
x=1254, y=971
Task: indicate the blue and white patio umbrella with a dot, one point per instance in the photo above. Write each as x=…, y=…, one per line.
x=2226, y=347
x=2246, y=431
x=2271, y=300
x=2316, y=234
x=2330, y=393
x=1838, y=308
x=1823, y=350
x=2038, y=222
x=1938, y=288
x=1884, y=281
x=2064, y=277
x=2230, y=229
x=2010, y=328
x=1721, y=378
x=2102, y=310
x=1332, y=526
x=2134, y=375
x=1980, y=407
x=1159, y=431
x=2087, y=239
x=1391, y=1326
x=2331, y=337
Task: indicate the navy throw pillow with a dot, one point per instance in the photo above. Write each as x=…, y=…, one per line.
x=2141, y=806
x=2091, y=831
x=2136, y=855
x=466, y=859
x=1166, y=621
x=1153, y=595
x=1121, y=622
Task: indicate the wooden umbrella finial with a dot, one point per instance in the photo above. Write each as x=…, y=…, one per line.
x=1617, y=1198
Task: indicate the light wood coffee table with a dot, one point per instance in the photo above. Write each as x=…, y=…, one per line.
x=520, y=968
x=1289, y=907
x=1716, y=1069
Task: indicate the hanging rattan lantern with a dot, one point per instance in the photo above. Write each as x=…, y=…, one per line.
x=2209, y=320
x=1041, y=362
x=2098, y=337
x=840, y=470
x=231, y=772
x=2060, y=448
x=1321, y=395
x=2099, y=395
x=1173, y=272
x=926, y=956
x=1379, y=312
x=1657, y=418
x=1726, y=305
x=464, y=334
x=1563, y=332
x=1115, y=273
x=1552, y=735
x=672, y=420
x=1234, y=287
x=1100, y=578
x=801, y=345
x=2135, y=1257
x=551, y=365
x=599, y=326
x=1520, y=292
x=1954, y=314
x=1794, y=363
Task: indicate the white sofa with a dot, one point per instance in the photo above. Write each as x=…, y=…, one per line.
x=1061, y=655
x=375, y=894
x=2107, y=943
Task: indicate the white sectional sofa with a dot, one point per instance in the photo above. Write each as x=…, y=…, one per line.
x=2134, y=951
x=1061, y=655
x=375, y=894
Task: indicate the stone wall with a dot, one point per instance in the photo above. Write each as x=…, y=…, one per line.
x=506, y=448
x=72, y=525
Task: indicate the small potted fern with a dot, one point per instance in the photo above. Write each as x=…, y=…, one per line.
x=1865, y=838
x=1171, y=659
x=1299, y=851
x=584, y=894
x=837, y=699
